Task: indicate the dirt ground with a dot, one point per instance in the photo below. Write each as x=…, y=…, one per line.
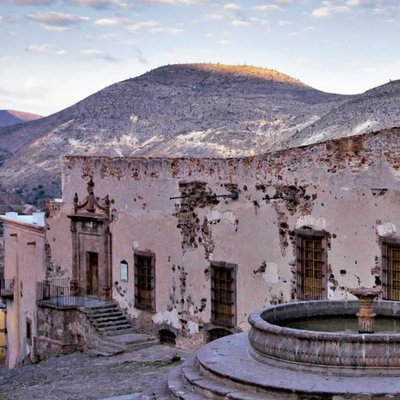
x=141, y=374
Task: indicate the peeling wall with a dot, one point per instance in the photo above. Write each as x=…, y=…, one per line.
x=181, y=210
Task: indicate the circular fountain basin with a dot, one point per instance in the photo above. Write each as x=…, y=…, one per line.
x=315, y=347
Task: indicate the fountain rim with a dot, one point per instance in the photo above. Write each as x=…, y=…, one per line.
x=257, y=320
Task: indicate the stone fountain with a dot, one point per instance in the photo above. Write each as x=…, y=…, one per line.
x=365, y=314
x=292, y=352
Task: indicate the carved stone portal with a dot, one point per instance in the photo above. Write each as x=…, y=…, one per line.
x=91, y=246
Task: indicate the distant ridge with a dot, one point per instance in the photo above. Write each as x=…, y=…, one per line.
x=12, y=117
x=201, y=110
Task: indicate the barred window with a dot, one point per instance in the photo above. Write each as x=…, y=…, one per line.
x=311, y=265
x=391, y=270
x=144, y=280
x=223, y=294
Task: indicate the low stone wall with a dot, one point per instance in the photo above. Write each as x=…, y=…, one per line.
x=299, y=347
x=62, y=331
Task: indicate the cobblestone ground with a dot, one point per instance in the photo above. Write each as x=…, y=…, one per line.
x=141, y=374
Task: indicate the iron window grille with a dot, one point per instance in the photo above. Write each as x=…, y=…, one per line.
x=311, y=265
x=391, y=270
x=223, y=294
x=144, y=280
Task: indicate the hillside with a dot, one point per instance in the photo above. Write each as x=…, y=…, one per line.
x=12, y=117
x=200, y=110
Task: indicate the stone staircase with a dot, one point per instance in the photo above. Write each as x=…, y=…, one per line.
x=108, y=319
x=116, y=331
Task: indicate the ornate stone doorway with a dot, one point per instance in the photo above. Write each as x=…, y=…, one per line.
x=91, y=246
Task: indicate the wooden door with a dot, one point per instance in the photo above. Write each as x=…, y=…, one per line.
x=92, y=273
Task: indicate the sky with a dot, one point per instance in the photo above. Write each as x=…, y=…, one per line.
x=54, y=53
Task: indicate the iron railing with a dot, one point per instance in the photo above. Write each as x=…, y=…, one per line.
x=57, y=292
x=7, y=288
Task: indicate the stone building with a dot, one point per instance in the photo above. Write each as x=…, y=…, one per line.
x=24, y=266
x=189, y=247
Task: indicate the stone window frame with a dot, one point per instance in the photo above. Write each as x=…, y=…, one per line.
x=216, y=320
x=386, y=245
x=142, y=303
x=315, y=235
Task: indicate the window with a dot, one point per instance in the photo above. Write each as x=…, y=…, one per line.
x=223, y=294
x=311, y=265
x=144, y=280
x=28, y=331
x=391, y=270
x=123, y=267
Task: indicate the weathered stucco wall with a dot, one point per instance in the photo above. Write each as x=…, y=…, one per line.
x=24, y=262
x=348, y=188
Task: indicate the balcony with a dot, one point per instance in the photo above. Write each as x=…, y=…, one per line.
x=7, y=288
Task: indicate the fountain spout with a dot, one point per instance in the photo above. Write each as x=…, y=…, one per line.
x=366, y=297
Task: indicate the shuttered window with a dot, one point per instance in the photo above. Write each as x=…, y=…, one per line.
x=391, y=270
x=144, y=280
x=223, y=294
x=311, y=266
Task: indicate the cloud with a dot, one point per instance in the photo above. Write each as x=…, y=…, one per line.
x=224, y=42
x=55, y=20
x=329, y=9
x=166, y=29
x=240, y=22
x=140, y=57
x=44, y=49
x=9, y=19
x=99, y=55
x=284, y=23
x=111, y=21
x=99, y=4
x=268, y=8
x=231, y=7
x=31, y=2
x=142, y=25
x=303, y=31
x=375, y=7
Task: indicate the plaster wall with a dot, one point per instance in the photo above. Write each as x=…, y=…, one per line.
x=24, y=262
x=347, y=188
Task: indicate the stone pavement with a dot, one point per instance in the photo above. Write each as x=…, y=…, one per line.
x=139, y=375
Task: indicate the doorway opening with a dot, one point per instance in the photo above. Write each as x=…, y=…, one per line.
x=92, y=278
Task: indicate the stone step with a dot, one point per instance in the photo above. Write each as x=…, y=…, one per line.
x=99, y=324
x=96, y=311
x=106, y=316
x=108, y=319
x=106, y=348
x=110, y=306
x=110, y=329
x=119, y=332
x=134, y=340
x=188, y=382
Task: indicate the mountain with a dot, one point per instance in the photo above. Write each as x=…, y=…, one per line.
x=12, y=117
x=204, y=110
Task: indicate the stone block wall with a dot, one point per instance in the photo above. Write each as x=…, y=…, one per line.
x=62, y=331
